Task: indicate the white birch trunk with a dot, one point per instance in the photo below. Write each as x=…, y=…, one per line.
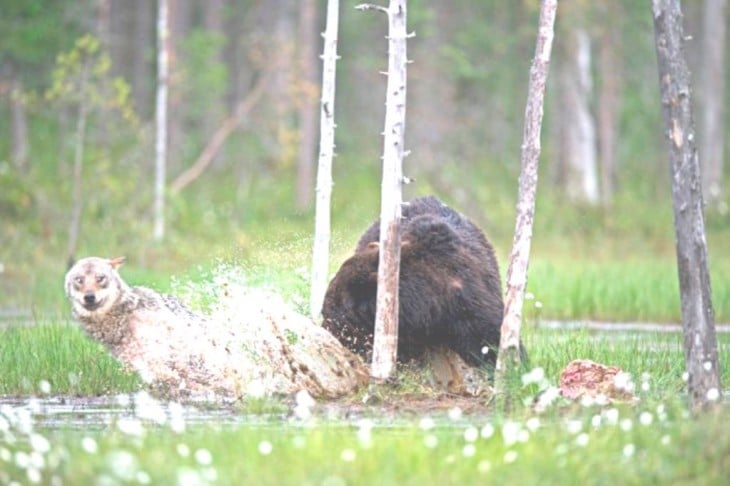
x=509, y=345
x=320, y=251
x=385, y=339
x=580, y=136
x=161, y=118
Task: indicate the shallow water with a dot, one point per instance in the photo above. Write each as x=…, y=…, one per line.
x=101, y=412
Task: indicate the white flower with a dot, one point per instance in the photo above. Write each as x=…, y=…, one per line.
x=471, y=434
x=265, y=447
x=348, y=455
x=430, y=441
x=469, y=450
x=532, y=424
x=89, y=445
x=582, y=439
x=487, y=431
x=646, y=418
x=426, y=423
x=204, y=457
x=626, y=424
x=510, y=432
x=629, y=450
x=713, y=394
x=130, y=426
x=39, y=443
x=455, y=413
x=183, y=450
x=510, y=457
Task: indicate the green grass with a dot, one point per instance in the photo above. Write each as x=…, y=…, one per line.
x=61, y=355
x=670, y=450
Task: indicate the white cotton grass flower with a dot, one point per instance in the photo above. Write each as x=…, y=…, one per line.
x=45, y=387
x=265, y=447
x=426, y=423
x=304, y=405
x=5, y=455
x=532, y=424
x=187, y=476
x=626, y=424
x=203, y=457
x=629, y=450
x=365, y=433
x=529, y=296
x=646, y=418
x=707, y=365
x=582, y=439
x=611, y=416
x=510, y=457
x=487, y=431
x=665, y=440
x=143, y=477
x=123, y=464
x=89, y=445
x=348, y=455
x=469, y=450
x=622, y=382
x=130, y=426
x=430, y=441
x=538, y=304
x=455, y=413
x=535, y=376
x=39, y=443
x=34, y=475
x=471, y=434
x=574, y=426
x=510, y=432
x=685, y=376
x=546, y=399
x=713, y=394
x=484, y=466
x=183, y=450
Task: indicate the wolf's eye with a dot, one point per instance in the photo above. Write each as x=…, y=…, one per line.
x=79, y=281
x=101, y=280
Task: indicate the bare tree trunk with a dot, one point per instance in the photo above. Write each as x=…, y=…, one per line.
x=307, y=106
x=385, y=340
x=712, y=99
x=608, y=102
x=19, y=128
x=578, y=137
x=700, y=342
x=509, y=345
x=78, y=195
x=320, y=251
x=161, y=118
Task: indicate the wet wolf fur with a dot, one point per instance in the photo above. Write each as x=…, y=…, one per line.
x=183, y=354
x=450, y=292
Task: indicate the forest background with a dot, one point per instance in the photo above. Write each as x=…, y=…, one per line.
x=603, y=210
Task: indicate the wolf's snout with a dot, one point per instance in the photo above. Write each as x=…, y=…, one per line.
x=89, y=298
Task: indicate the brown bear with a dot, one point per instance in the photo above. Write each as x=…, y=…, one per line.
x=450, y=293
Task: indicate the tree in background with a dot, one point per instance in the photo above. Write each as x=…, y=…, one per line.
x=700, y=341
x=712, y=72
x=163, y=54
x=574, y=120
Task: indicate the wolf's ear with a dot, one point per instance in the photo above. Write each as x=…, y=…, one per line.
x=117, y=262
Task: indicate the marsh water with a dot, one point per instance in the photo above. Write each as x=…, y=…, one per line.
x=101, y=412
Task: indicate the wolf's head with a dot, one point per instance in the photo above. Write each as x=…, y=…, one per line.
x=93, y=286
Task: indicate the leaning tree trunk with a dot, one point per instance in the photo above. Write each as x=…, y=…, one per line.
x=161, y=118
x=700, y=342
x=320, y=250
x=509, y=345
x=385, y=339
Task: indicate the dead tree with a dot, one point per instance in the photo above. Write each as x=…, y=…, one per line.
x=161, y=118
x=700, y=342
x=509, y=345
x=385, y=340
x=320, y=250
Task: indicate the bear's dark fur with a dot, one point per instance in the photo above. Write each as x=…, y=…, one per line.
x=450, y=291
